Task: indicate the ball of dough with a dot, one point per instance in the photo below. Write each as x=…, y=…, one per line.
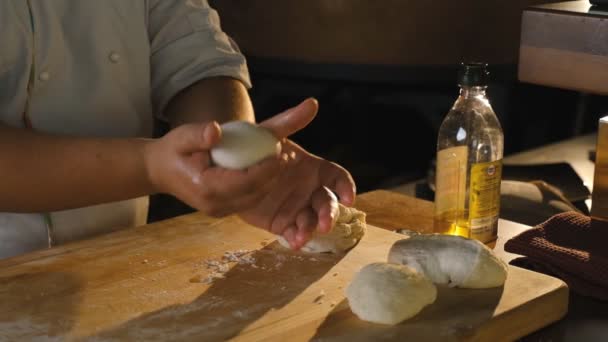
x=389, y=293
x=348, y=229
x=243, y=144
x=451, y=260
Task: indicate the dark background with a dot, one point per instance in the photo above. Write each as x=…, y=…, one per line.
x=384, y=131
x=385, y=76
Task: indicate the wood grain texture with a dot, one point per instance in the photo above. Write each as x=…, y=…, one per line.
x=599, y=210
x=568, y=70
x=392, y=211
x=566, y=46
x=389, y=32
x=143, y=284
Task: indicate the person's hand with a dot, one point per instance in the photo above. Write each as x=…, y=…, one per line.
x=179, y=164
x=302, y=199
x=291, y=194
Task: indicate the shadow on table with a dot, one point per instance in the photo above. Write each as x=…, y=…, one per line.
x=586, y=320
x=38, y=306
x=233, y=303
x=454, y=316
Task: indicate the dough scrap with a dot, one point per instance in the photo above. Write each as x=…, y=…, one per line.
x=389, y=293
x=451, y=260
x=348, y=229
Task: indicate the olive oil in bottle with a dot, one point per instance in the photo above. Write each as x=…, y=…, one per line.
x=469, y=162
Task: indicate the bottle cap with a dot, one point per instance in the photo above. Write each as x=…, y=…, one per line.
x=473, y=74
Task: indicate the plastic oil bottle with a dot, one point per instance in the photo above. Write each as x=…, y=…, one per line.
x=469, y=161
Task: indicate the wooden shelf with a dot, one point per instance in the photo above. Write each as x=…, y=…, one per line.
x=370, y=32
x=565, y=45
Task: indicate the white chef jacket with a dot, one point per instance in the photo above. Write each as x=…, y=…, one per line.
x=100, y=68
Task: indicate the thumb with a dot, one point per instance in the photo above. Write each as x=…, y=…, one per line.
x=292, y=120
x=191, y=138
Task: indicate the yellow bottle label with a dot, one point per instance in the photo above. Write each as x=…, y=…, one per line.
x=484, y=200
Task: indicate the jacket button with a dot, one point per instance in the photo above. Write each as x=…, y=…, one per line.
x=44, y=76
x=114, y=57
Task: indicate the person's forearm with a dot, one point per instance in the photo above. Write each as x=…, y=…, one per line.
x=218, y=99
x=40, y=172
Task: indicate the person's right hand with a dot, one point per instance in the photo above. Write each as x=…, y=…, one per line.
x=179, y=164
x=290, y=195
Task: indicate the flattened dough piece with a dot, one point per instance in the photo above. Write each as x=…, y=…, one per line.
x=451, y=260
x=389, y=293
x=347, y=231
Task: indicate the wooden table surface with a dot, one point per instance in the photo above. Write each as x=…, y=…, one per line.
x=385, y=209
x=587, y=319
x=570, y=34
x=391, y=210
x=574, y=151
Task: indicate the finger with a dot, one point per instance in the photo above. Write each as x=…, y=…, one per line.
x=192, y=138
x=266, y=212
x=290, y=235
x=200, y=160
x=224, y=184
x=222, y=192
x=346, y=190
x=341, y=182
x=325, y=204
x=292, y=120
x=219, y=204
x=302, y=237
x=240, y=204
x=334, y=176
x=306, y=220
x=288, y=212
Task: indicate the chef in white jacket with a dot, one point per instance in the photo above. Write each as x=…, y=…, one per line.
x=80, y=84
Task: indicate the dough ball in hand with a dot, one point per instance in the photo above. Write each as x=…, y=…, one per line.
x=244, y=144
x=348, y=229
x=451, y=260
x=389, y=293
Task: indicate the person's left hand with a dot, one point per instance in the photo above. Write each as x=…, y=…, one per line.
x=302, y=199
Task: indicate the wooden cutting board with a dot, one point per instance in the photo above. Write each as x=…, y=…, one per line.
x=145, y=284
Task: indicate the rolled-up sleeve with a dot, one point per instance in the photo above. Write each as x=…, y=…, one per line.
x=187, y=45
